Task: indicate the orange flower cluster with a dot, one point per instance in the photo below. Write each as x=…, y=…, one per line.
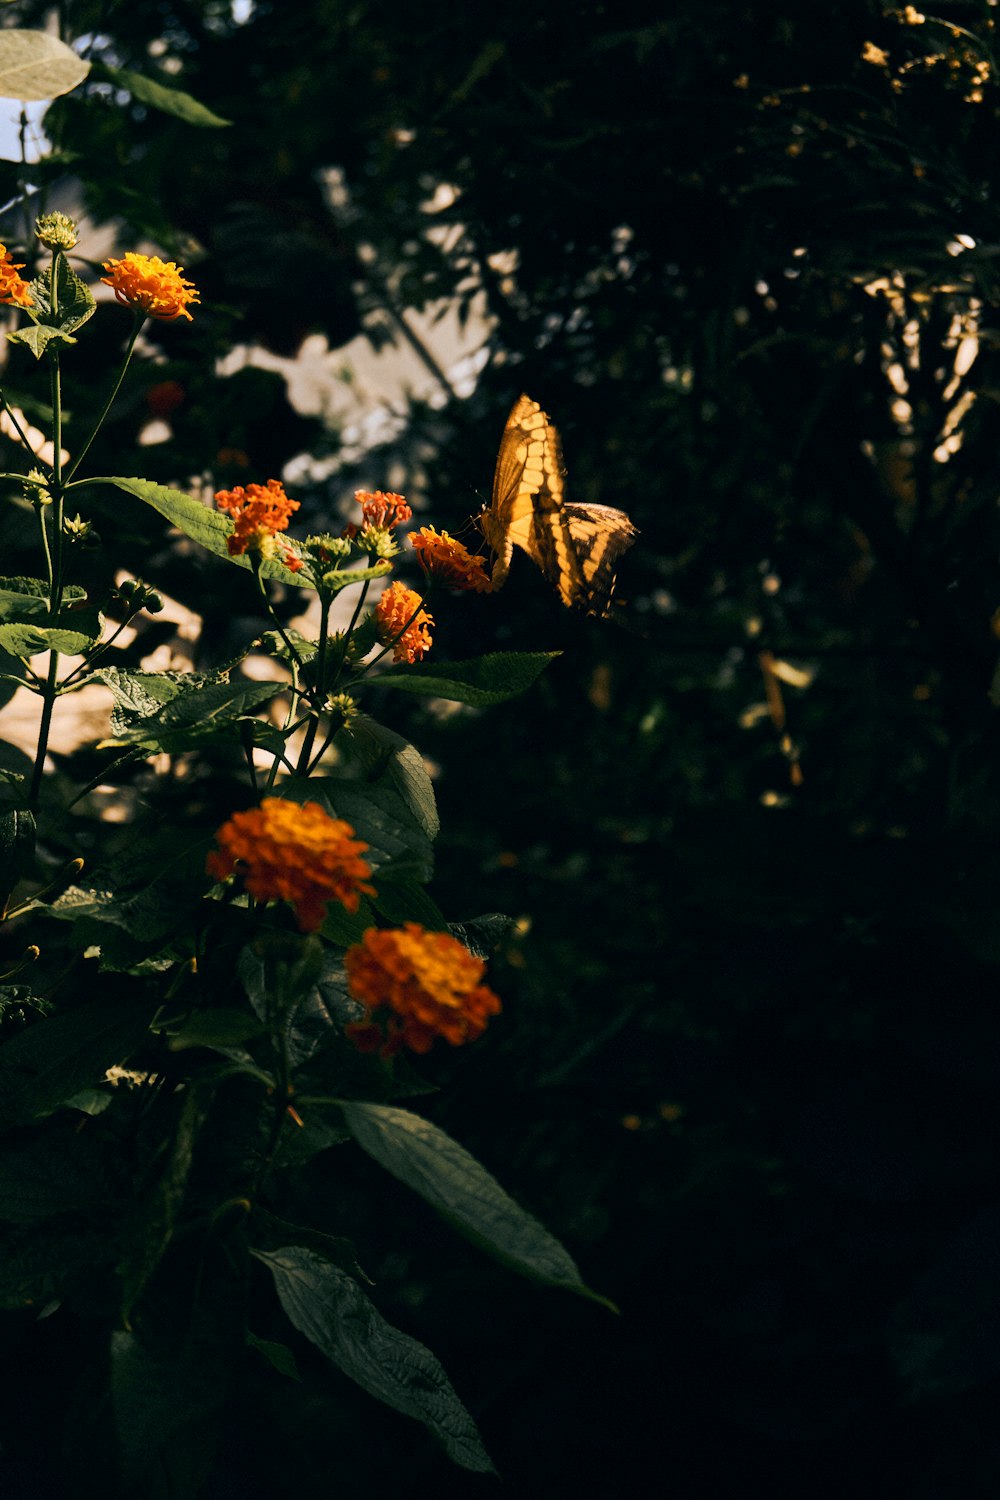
x=153, y=286
x=402, y=624
x=13, y=288
x=294, y=853
x=428, y=980
x=382, y=508
x=259, y=511
x=441, y=556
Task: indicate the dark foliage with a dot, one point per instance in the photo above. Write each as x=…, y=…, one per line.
x=747, y=1063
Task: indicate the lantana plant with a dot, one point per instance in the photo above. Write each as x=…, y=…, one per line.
x=193, y=1007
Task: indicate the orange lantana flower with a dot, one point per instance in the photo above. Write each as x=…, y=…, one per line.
x=13, y=288
x=382, y=507
x=442, y=556
x=402, y=624
x=153, y=286
x=294, y=853
x=427, y=980
x=259, y=512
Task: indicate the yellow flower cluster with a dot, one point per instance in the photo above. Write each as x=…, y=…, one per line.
x=293, y=853
x=151, y=285
x=428, y=982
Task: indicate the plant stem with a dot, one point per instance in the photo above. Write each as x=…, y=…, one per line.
x=140, y=318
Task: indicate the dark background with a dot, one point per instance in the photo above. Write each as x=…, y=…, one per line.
x=747, y=1065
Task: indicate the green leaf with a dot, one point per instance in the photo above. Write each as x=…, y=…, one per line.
x=345, y=928
x=197, y=707
x=334, y=1313
x=209, y=528
x=57, y=1057
x=217, y=1027
x=278, y=1355
x=481, y=681
x=31, y=640
x=385, y=755
x=38, y=337
x=272, y=1233
x=170, y=101
x=74, y=302
x=25, y=599
x=483, y=935
x=17, y=848
x=454, y=1183
x=402, y=900
x=378, y=815
x=35, y=65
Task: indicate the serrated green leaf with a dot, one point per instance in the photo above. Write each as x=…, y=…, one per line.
x=334, y=1313
x=209, y=528
x=26, y=599
x=462, y=1190
x=269, y=1232
x=378, y=815
x=38, y=337
x=385, y=755
x=170, y=101
x=31, y=640
x=35, y=65
x=74, y=301
x=482, y=681
x=197, y=711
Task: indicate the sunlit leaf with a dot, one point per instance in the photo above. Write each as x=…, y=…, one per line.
x=35, y=65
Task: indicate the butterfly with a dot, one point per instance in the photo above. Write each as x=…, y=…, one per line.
x=576, y=546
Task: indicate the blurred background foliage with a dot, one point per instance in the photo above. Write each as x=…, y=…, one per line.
x=746, y=257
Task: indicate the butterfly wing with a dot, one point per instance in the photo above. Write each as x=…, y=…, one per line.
x=528, y=479
x=575, y=546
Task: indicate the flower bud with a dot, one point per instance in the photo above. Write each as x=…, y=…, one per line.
x=56, y=231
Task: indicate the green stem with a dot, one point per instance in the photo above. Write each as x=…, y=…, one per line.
x=48, y=703
x=363, y=671
x=140, y=318
x=95, y=651
x=20, y=432
x=104, y=775
x=54, y=560
x=349, y=631
x=310, y=734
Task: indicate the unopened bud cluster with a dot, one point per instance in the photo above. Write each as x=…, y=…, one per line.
x=136, y=595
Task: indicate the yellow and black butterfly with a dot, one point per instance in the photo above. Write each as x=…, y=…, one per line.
x=576, y=546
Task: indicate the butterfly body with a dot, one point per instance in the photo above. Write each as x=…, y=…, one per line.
x=575, y=546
